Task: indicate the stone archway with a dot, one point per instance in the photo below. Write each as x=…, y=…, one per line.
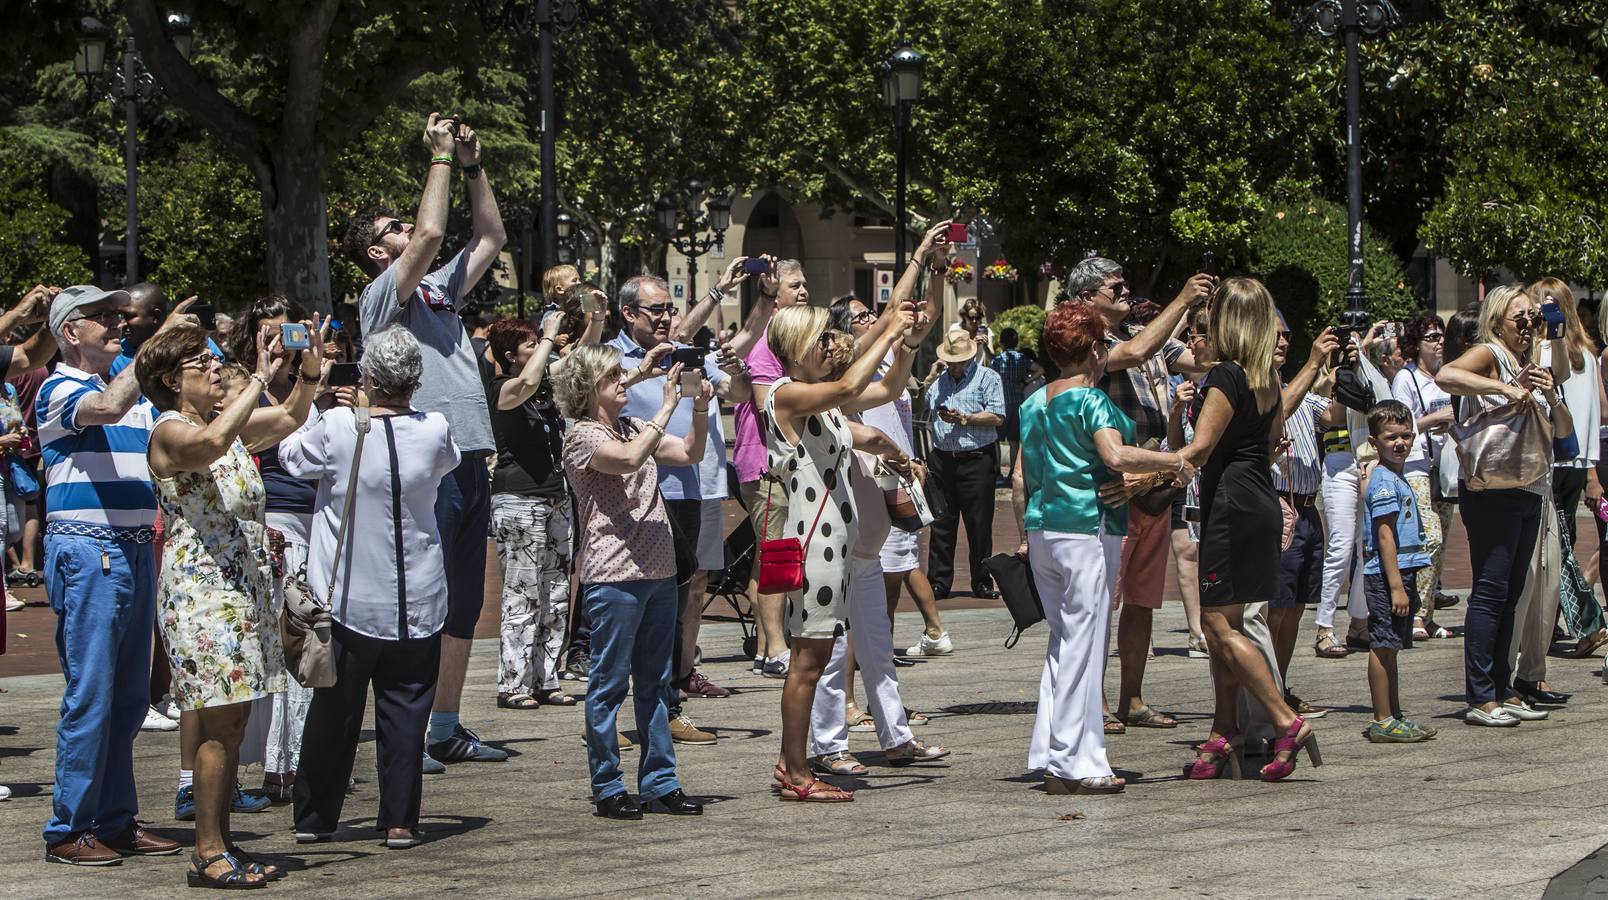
x=770, y=227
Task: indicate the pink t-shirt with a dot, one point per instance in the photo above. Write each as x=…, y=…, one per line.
x=748, y=454
x=625, y=534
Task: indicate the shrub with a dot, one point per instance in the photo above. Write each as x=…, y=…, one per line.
x=1028, y=320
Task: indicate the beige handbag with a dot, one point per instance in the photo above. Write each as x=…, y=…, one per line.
x=1501, y=447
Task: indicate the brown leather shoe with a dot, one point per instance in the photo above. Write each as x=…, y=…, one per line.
x=83, y=850
x=138, y=842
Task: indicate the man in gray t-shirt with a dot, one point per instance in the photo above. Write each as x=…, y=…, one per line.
x=405, y=292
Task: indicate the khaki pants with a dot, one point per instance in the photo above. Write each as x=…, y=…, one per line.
x=1538, y=605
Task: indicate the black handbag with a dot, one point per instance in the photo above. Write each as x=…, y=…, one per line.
x=1352, y=390
x=1014, y=578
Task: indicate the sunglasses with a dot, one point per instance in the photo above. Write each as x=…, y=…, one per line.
x=393, y=227
x=1527, y=321
x=1434, y=337
x=106, y=315
x=203, y=361
x=658, y=311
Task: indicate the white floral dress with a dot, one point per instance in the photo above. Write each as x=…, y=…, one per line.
x=215, y=589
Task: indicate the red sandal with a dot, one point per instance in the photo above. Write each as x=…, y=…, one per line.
x=817, y=791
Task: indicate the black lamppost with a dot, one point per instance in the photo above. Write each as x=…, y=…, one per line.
x=1352, y=19
x=572, y=242
x=545, y=17
x=131, y=83
x=901, y=86
x=687, y=237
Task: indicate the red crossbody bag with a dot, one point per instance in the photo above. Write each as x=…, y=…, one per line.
x=781, y=561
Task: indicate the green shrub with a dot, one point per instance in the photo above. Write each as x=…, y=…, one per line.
x=1028, y=320
x=1299, y=252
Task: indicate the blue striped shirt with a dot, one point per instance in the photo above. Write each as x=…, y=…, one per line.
x=1299, y=469
x=979, y=390
x=94, y=475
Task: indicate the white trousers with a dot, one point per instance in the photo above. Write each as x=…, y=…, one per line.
x=868, y=626
x=1342, y=563
x=1538, y=605
x=1075, y=575
x=1254, y=721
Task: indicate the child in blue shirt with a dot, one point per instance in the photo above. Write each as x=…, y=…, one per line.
x=1393, y=543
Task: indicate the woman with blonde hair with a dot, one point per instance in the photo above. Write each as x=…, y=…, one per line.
x=1238, y=419
x=810, y=447
x=1582, y=392
x=1503, y=524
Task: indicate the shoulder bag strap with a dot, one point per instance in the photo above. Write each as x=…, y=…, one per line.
x=360, y=417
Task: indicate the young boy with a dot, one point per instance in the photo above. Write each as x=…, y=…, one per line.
x=1393, y=542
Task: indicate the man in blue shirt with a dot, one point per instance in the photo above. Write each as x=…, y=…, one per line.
x=967, y=406
x=1014, y=367
x=694, y=495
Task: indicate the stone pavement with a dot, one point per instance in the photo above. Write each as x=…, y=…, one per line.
x=1476, y=813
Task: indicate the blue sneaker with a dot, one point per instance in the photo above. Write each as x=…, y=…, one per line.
x=184, y=805
x=432, y=766
x=464, y=746
x=246, y=803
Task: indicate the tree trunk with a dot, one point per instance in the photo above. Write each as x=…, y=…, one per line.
x=608, y=278
x=296, y=223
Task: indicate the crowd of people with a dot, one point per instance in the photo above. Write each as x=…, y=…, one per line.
x=191, y=476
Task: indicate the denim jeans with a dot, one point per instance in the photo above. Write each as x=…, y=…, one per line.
x=104, y=595
x=1502, y=530
x=633, y=630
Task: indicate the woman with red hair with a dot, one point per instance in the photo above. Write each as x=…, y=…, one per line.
x=1074, y=453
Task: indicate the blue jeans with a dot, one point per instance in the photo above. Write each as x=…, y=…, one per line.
x=1502, y=528
x=633, y=629
x=104, y=616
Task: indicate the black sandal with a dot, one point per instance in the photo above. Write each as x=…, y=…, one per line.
x=236, y=879
x=268, y=871
x=517, y=701
x=555, y=697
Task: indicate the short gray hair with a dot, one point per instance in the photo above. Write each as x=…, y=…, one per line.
x=631, y=291
x=788, y=265
x=392, y=361
x=1089, y=274
x=579, y=375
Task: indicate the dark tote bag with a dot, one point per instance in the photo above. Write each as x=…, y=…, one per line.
x=1014, y=577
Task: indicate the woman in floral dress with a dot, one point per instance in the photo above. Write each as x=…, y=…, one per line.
x=215, y=588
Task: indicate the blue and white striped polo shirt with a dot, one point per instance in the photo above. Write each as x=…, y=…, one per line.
x=95, y=475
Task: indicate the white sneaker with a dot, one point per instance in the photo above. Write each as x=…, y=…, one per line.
x=1496, y=718
x=168, y=707
x=155, y=721
x=940, y=646
x=1524, y=712
x=1197, y=647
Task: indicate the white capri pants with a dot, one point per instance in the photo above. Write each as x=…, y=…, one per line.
x=1075, y=575
x=1538, y=605
x=1342, y=500
x=872, y=633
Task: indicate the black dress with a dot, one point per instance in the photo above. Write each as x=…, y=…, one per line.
x=1241, y=525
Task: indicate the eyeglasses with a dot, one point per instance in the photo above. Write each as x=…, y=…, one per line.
x=1526, y=321
x=1433, y=336
x=115, y=316
x=393, y=227
x=827, y=339
x=864, y=317
x=1285, y=335
x=657, y=311
x=203, y=361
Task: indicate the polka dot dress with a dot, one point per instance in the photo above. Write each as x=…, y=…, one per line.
x=816, y=469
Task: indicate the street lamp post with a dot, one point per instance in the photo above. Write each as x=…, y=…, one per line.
x=901, y=87
x=1352, y=19
x=571, y=242
x=546, y=17
x=688, y=238
x=130, y=83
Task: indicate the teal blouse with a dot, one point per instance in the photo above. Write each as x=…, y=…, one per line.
x=1061, y=466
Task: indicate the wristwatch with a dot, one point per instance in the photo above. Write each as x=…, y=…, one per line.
x=472, y=171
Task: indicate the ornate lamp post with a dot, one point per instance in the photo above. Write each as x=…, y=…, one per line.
x=572, y=242
x=131, y=83
x=901, y=87
x=1352, y=19
x=546, y=17
x=686, y=234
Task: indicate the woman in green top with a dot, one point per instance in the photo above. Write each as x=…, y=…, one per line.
x=1071, y=505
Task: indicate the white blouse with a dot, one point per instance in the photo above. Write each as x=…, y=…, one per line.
x=392, y=578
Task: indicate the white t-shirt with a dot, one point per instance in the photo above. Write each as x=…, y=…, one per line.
x=1579, y=393
x=1418, y=391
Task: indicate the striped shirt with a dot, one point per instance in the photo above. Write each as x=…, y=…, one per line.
x=979, y=390
x=97, y=474
x=1299, y=469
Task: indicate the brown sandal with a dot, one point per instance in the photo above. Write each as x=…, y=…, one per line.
x=555, y=697
x=1327, y=646
x=1145, y=717
x=1112, y=726
x=516, y=701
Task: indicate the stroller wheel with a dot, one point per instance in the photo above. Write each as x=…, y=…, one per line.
x=750, y=646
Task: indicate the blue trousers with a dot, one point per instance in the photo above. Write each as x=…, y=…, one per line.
x=633, y=629
x=104, y=595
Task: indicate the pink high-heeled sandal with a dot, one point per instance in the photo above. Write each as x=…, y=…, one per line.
x=1292, y=743
x=1227, y=754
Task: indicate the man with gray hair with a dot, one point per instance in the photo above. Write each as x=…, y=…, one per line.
x=781, y=286
x=1136, y=380
x=693, y=495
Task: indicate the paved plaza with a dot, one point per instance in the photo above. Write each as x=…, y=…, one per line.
x=1475, y=813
